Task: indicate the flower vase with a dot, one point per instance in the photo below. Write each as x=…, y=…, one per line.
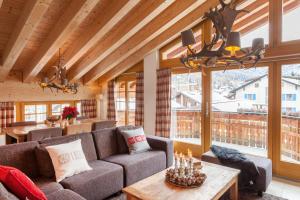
x=71, y=121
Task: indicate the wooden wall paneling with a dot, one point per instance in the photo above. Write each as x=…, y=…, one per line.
x=111, y=15
x=141, y=15
x=161, y=23
x=1, y=2
x=188, y=21
x=66, y=25
x=30, y=17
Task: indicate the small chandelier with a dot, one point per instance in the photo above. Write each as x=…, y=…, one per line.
x=58, y=80
x=229, y=52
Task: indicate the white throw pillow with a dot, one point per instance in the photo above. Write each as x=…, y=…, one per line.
x=68, y=159
x=136, y=140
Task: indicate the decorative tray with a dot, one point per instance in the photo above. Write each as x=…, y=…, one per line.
x=195, y=179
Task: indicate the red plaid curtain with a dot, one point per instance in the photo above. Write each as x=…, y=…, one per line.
x=89, y=108
x=111, y=109
x=163, y=103
x=139, y=99
x=6, y=114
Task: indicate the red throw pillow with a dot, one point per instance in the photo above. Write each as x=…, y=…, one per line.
x=17, y=182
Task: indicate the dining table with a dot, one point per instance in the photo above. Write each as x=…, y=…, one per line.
x=19, y=134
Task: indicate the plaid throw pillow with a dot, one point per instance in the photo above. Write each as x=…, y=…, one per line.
x=136, y=140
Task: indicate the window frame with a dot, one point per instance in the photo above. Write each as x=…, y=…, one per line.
x=20, y=107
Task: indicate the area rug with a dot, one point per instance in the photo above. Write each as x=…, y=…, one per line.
x=254, y=196
x=243, y=196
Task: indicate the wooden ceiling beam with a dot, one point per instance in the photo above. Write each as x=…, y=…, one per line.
x=190, y=20
x=76, y=12
x=163, y=22
x=27, y=22
x=112, y=14
x=143, y=14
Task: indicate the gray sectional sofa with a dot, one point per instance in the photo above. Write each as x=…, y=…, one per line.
x=107, y=154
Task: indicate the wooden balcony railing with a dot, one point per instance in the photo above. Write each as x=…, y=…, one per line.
x=247, y=129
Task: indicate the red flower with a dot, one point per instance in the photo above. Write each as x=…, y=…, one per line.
x=69, y=112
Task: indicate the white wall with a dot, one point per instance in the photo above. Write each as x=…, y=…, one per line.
x=15, y=90
x=151, y=64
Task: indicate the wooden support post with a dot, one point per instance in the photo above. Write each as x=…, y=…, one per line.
x=206, y=92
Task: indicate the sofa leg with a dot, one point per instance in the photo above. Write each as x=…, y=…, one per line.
x=260, y=193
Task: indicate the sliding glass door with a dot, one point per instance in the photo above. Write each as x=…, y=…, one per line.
x=239, y=109
x=186, y=107
x=290, y=113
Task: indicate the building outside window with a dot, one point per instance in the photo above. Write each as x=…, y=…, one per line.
x=289, y=97
x=250, y=96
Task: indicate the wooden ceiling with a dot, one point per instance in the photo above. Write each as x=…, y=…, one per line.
x=99, y=39
x=95, y=36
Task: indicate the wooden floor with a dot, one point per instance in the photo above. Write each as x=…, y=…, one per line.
x=284, y=188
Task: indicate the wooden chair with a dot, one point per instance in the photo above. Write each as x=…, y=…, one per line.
x=41, y=134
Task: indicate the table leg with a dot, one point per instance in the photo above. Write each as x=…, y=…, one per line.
x=234, y=190
x=21, y=139
x=8, y=139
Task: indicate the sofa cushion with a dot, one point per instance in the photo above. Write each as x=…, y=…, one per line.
x=141, y=165
x=136, y=140
x=105, y=142
x=20, y=184
x=5, y=194
x=47, y=185
x=103, y=124
x=20, y=156
x=44, y=162
x=122, y=146
x=86, y=141
x=104, y=180
x=68, y=159
x=65, y=195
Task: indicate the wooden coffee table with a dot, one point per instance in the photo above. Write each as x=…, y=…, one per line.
x=219, y=180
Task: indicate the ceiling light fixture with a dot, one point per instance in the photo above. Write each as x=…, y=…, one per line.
x=58, y=79
x=227, y=44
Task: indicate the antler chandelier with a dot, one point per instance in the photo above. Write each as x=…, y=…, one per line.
x=229, y=52
x=58, y=79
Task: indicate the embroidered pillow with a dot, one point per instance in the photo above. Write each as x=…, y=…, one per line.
x=136, y=140
x=68, y=159
x=19, y=184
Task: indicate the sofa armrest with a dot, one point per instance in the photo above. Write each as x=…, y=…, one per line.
x=164, y=144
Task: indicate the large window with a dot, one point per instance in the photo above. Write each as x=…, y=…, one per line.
x=290, y=120
x=239, y=109
x=125, y=102
x=57, y=109
x=291, y=13
x=35, y=112
x=78, y=106
x=186, y=107
x=131, y=102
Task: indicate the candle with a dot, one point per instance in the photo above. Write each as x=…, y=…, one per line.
x=176, y=160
